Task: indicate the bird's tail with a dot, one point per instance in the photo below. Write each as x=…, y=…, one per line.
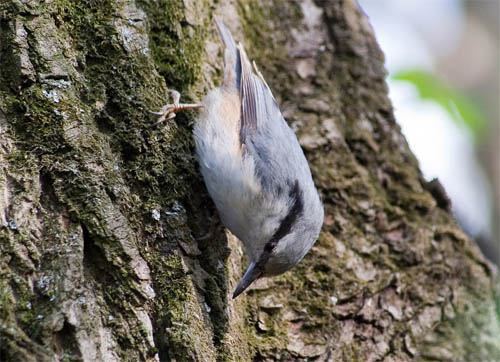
x=232, y=62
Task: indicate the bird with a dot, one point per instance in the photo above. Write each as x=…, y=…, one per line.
x=254, y=168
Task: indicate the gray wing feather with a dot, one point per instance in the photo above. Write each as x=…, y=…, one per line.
x=278, y=158
x=257, y=102
x=225, y=34
x=232, y=64
x=258, y=106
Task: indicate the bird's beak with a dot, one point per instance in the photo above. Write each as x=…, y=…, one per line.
x=250, y=276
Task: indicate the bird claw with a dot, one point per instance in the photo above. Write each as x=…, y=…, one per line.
x=160, y=113
x=169, y=111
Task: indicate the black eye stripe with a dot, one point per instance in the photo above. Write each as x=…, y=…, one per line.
x=293, y=214
x=285, y=225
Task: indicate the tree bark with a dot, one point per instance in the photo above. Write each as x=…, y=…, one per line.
x=100, y=213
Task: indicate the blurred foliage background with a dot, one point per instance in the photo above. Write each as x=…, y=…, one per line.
x=443, y=62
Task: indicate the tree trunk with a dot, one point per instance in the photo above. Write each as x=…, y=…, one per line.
x=100, y=213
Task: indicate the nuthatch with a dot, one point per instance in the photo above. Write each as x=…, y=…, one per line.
x=255, y=170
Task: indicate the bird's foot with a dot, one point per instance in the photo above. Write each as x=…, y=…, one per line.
x=169, y=111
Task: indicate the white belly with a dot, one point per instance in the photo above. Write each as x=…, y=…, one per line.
x=230, y=178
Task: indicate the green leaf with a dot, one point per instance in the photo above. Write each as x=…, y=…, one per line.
x=460, y=108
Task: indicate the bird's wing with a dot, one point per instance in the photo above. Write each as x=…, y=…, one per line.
x=258, y=105
x=267, y=138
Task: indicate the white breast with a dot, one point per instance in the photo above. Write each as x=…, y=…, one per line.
x=230, y=178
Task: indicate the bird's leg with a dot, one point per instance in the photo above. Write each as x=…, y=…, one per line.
x=169, y=111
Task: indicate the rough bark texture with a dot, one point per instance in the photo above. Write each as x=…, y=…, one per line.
x=99, y=212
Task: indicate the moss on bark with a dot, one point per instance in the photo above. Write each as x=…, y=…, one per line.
x=99, y=212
